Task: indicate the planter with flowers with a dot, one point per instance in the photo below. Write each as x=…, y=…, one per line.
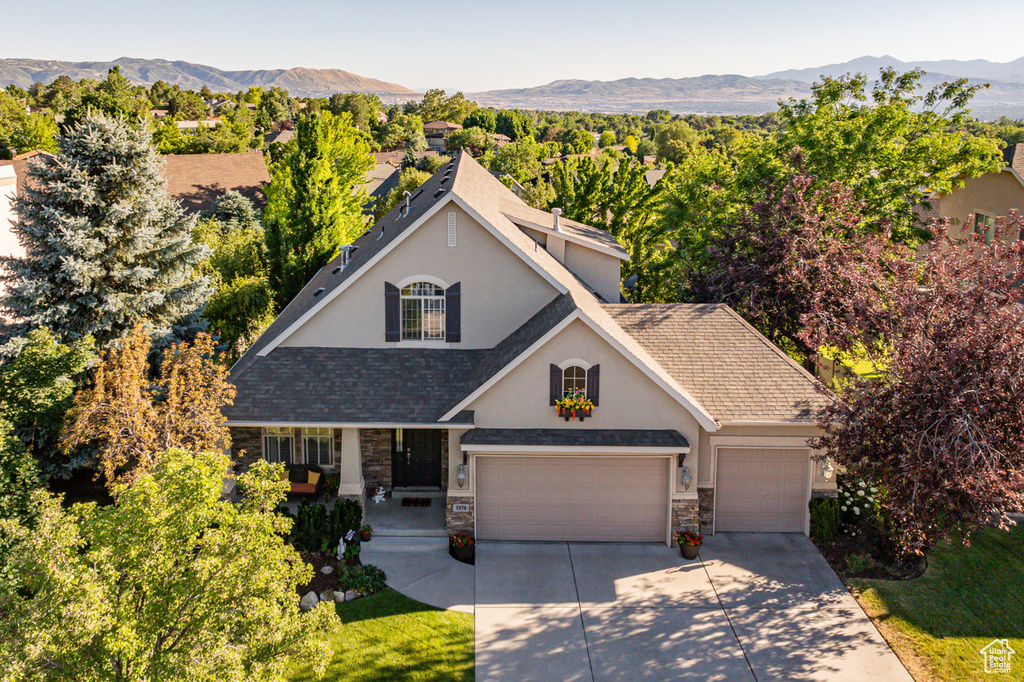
x=366, y=533
x=574, y=405
x=689, y=544
x=462, y=547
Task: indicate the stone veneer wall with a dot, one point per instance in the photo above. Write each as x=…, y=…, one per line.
x=707, y=510
x=833, y=494
x=375, y=450
x=444, y=459
x=246, y=446
x=459, y=521
x=685, y=515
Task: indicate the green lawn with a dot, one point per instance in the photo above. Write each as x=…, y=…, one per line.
x=391, y=637
x=968, y=596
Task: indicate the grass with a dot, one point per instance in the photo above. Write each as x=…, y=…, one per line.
x=391, y=637
x=968, y=597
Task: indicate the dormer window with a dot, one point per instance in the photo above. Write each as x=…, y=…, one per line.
x=422, y=312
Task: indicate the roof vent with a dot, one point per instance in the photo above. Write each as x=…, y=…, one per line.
x=556, y=212
x=408, y=198
x=346, y=255
x=445, y=179
x=439, y=193
x=318, y=292
x=336, y=270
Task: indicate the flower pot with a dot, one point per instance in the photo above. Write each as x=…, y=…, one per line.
x=465, y=554
x=365, y=535
x=689, y=551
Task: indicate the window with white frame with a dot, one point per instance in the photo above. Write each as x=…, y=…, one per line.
x=279, y=445
x=423, y=312
x=574, y=377
x=319, y=446
x=985, y=225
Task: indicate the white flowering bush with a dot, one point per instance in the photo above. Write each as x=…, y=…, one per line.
x=858, y=504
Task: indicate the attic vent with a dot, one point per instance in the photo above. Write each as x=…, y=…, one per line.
x=438, y=193
x=318, y=292
x=451, y=228
x=336, y=270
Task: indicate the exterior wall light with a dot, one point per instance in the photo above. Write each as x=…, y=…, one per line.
x=686, y=478
x=461, y=475
x=827, y=469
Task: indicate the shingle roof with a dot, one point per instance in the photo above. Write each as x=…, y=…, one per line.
x=616, y=438
x=731, y=369
x=198, y=180
x=1013, y=155
x=352, y=385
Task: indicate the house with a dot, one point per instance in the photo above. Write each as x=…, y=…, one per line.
x=986, y=197
x=380, y=180
x=280, y=136
x=437, y=132
x=432, y=352
x=13, y=181
x=198, y=180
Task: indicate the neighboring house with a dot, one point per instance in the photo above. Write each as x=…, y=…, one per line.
x=986, y=197
x=437, y=132
x=432, y=356
x=13, y=180
x=380, y=180
x=198, y=180
x=196, y=125
x=279, y=136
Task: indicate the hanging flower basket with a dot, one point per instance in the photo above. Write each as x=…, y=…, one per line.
x=575, y=405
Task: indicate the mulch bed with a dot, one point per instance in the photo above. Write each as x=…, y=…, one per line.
x=320, y=582
x=838, y=554
x=415, y=501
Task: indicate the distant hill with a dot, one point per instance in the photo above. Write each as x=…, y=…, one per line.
x=728, y=94
x=299, y=82
x=731, y=94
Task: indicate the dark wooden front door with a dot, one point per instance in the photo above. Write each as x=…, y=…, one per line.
x=416, y=458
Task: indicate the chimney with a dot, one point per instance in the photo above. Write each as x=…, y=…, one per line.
x=556, y=212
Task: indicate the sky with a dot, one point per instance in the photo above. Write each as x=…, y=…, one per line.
x=485, y=45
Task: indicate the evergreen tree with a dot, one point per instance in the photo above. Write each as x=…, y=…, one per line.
x=313, y=207
x=104, y=246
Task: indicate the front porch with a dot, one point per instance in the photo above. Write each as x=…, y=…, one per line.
x=391, y=518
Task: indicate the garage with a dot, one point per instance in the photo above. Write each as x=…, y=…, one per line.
x=761, y=490
x=572, y=498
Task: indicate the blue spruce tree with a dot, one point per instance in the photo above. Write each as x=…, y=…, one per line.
x=104, y=246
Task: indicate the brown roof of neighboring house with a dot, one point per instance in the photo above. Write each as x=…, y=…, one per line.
x=441, y=125
x=1014, y=157
x=731, y=369
x=20, y=163
x=198, y=180
x=281, y=136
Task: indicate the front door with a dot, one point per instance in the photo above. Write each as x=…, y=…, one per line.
x=416, y=458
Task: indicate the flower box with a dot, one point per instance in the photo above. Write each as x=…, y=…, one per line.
x=568, y=413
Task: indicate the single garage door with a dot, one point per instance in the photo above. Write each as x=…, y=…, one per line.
x=588, y=499
x=761, y=490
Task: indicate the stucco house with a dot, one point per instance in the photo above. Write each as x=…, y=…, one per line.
x=430, y=355
x=985, y=197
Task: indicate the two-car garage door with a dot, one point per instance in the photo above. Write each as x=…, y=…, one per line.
x=582, y=498
x=761, y=490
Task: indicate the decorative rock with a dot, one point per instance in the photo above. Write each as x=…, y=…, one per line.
x=308, y=602
x=339, y=597
x=326, y=596
x=327, y=570
x=350, y=595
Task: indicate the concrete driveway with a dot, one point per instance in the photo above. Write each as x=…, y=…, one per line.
x=754, y=607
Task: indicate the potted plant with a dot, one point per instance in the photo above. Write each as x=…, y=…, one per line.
x=689, y=543
x=461, y=547
x=574, y=405
x=366, y=533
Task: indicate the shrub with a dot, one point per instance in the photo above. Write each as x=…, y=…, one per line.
x=308, y=532
x=825, y=519
x=346, y=516
x=367, y=579
x=858, y=563
x=858, y=505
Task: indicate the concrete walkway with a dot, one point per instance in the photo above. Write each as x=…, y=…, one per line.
x=420, y=568
x=755, y=607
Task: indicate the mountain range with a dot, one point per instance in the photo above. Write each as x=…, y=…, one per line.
x=735, y=94
x=298, y=82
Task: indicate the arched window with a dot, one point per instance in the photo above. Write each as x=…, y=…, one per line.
x=574, y=377
x=422, y=312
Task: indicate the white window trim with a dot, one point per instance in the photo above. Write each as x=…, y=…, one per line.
x=429, y=279
x=575, y=362
x=296, y=456
x=330, y=446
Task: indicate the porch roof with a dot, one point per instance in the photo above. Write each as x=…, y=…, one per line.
x=581, y=438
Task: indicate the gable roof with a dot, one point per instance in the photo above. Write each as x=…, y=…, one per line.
x=733, y=370
x=198, y=180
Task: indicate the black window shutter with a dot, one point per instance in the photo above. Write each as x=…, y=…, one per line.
x=556, y=384
x=453, y=313
x=594, y=384
x=392, y=318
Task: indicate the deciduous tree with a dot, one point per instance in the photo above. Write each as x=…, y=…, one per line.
x=134, y=417
x=171, y=583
